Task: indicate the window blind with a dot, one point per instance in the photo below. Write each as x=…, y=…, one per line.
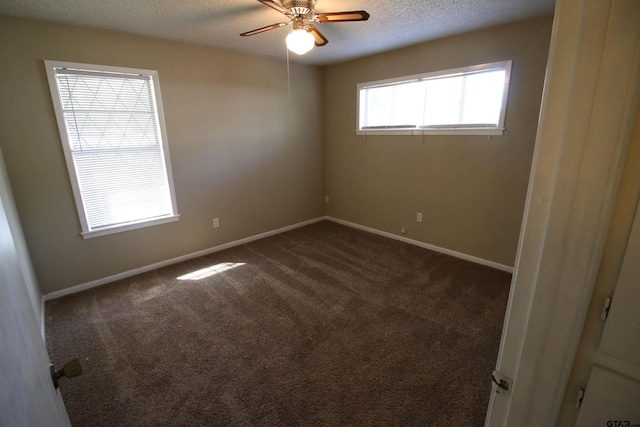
x=114, y=139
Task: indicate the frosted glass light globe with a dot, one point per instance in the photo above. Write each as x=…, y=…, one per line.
x=300, y=41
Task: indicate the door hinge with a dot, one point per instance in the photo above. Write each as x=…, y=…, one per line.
x=501, y=383
x=606, y=306
x=582, y=388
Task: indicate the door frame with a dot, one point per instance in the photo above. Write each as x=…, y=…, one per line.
x=587, y=114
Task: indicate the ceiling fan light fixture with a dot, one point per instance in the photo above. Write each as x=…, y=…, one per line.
x=300, y=41
x=301, y=14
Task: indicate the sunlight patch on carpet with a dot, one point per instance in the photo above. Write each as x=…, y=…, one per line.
x=203, y=273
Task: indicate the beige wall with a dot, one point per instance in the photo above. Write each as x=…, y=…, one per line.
x=470, y=189
x=245, y=152
x=241, y=150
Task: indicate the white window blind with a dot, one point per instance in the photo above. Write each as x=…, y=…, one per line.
x=470, y=100
x=114, y=142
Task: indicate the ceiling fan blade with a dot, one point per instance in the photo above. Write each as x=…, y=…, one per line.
x=317, y=35
x=276, y=6
x=355, y=15
x=263, y=29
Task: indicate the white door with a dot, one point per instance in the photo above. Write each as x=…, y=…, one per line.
x=612, y=398
x=27, y=395
x=621, y=335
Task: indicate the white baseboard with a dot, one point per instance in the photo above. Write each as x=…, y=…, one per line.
x=434, y=248
x=126, y=274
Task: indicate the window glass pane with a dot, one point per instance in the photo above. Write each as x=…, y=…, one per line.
x=408, y=104
x=463, y=98
x=472, y=99
x=394, y=105
x=443, y=101
x=105, y=112
x=379, y=106
x=483, y=98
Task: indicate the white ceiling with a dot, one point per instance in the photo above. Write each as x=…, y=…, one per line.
x=393, y=23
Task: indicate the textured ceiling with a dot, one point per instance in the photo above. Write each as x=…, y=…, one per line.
x=393, y=23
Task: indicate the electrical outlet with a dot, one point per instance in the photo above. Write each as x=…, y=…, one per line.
x=419, y=217
x=216, y=223
x=326, y=199
x=403, y=230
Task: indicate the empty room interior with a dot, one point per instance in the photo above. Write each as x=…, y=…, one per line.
x=315, y=258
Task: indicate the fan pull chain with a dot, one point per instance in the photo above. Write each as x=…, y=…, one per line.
x=288, y=75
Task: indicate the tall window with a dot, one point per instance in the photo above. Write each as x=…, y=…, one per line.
x=112, y=130
x=470, y=100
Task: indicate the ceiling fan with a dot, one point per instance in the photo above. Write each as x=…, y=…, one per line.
x=301, y=13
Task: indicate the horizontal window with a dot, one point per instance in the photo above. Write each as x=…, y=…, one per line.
x=470, y=100
x=112, y=131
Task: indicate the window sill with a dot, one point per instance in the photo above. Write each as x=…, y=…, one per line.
x=128, y=226
x=419, y=132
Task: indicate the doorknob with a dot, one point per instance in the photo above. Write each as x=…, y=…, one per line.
x=70, y=369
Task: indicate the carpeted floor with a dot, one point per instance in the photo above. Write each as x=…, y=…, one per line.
x=322, y=325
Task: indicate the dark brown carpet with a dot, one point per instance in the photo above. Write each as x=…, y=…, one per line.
x=323, y=325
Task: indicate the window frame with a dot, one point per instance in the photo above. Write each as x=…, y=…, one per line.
x=440, y=129
x=86, y=230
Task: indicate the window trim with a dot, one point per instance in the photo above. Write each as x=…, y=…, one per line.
x=86, y=232
x=441, y=129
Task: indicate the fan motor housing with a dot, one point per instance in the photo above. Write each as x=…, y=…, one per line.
x=299, y=7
